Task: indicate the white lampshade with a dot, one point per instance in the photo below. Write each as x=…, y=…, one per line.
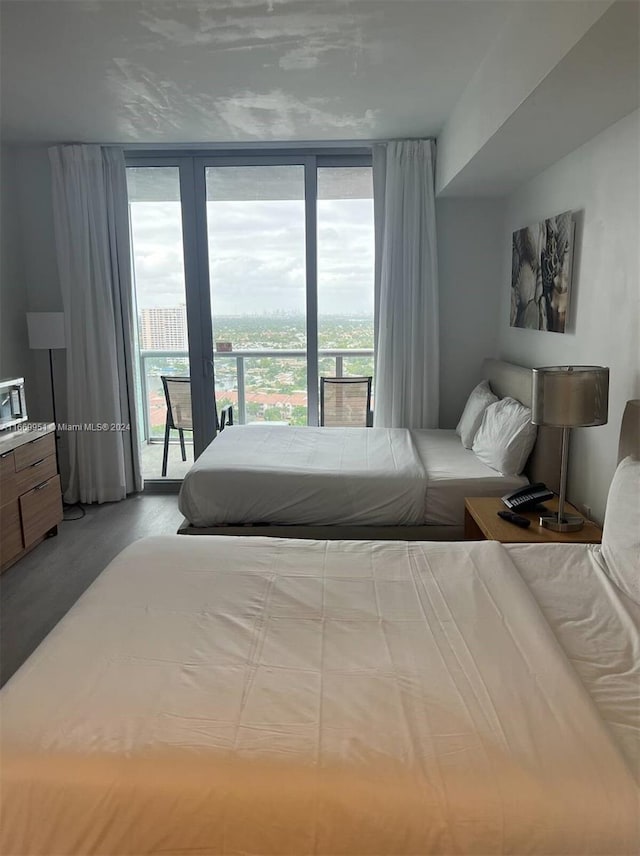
x=46, y=330
x=570, y=396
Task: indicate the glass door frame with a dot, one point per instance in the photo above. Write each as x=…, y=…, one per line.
x=193, y=199
x=196, y=298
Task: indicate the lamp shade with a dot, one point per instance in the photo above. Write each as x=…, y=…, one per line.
x=570, y=396
x=46, y=330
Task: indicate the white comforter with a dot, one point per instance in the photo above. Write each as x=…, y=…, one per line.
x=276, y=474
x=336, y=477
x=598, y=628
x=225, y=696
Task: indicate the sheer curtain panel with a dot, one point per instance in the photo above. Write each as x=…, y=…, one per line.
x=406, y=282
x=92, y=243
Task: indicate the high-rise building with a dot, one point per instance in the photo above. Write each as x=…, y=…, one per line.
x=163, y=329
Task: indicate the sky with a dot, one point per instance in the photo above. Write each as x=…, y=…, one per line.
x=257, y=256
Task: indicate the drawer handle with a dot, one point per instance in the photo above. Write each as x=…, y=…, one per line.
x=5, y=454
x=35, y=464
x=42, y=486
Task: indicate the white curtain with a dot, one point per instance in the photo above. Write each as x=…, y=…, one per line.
x=406, y=282
x=92, y=241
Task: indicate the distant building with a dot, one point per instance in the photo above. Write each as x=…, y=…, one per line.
x=163, y=329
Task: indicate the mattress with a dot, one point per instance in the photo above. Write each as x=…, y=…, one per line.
x=336, y=476
x=224, y=695
x=453, y=472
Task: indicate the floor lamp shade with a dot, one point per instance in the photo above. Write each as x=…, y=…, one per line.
x=46, y=330
x=568, y=397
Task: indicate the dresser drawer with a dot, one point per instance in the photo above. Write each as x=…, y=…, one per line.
x=7, y=465
x=10, y=531
x=41, y=510
x=36, y=450
x=8, y=490
x=38, y=472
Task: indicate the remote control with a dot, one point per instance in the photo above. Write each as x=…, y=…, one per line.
x=516, y=519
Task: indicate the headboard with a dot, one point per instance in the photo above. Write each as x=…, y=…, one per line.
x=630, y=431
x=508, y=379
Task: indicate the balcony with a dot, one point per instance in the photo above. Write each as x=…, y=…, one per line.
x=262, y=385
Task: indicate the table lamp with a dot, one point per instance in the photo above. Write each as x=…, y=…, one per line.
x=568, y=397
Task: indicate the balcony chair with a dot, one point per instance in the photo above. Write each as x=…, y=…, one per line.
x=226, y=417
x=177, y=395
x=345, y=402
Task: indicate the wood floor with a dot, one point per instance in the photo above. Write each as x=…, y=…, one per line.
x=37, y=591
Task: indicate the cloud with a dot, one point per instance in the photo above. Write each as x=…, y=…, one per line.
x=257, y=252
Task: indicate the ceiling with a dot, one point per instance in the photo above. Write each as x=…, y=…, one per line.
x=237, y=70
x=594, y=85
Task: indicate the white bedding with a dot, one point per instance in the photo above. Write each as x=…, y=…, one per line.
x=336, y=476
x=278, y=474
x=452, y=473
x=224, y=695
x=598, y=627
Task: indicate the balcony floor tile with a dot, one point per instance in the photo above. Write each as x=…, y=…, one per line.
x=151, y=460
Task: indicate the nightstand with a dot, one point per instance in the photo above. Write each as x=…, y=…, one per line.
x=481, y=523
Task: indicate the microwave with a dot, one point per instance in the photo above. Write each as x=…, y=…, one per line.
x=13, y=406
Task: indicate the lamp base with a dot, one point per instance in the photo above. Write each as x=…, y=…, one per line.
x=568, y=523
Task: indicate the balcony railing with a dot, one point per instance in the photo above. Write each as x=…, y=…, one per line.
x=147, y=374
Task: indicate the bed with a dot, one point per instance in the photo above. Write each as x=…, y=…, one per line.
x=272, y=696
x=353, y=483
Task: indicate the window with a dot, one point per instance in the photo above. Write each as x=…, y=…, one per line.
x=345, y=271
x=258, y=266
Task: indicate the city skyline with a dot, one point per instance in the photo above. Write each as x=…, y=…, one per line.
x=165, y=329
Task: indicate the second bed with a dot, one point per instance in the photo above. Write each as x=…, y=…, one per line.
x=353, y=483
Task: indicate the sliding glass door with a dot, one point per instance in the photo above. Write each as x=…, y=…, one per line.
x=160, y=336
x=256, y=243
x=345, y=271
x=258, y=268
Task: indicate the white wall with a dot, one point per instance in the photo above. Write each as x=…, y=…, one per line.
x=36, y=221
x=470, y=270
x=600, y=183
x=510, y=72
x=15, y=356
x=34, y=211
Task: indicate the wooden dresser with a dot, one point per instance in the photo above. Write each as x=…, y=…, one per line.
x=30, y=495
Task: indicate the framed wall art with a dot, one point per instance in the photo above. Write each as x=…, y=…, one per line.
x=541, y=274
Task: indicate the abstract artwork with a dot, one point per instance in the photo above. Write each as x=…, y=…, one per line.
x=541, y=274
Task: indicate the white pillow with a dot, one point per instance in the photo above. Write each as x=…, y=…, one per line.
x=506, y=436
x=621, y=532
x=481, y=397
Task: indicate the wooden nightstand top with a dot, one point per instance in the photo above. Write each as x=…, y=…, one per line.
x=481, y=521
